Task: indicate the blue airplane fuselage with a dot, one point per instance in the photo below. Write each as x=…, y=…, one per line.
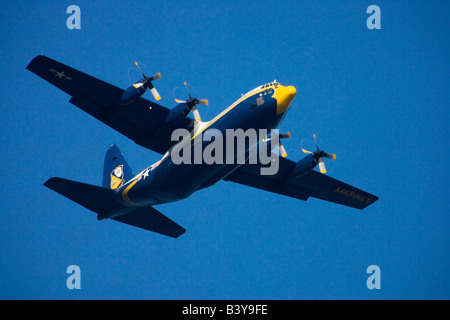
x=261, y=109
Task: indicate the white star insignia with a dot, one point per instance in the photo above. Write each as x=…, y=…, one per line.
x=145, y=174
x=60, y=74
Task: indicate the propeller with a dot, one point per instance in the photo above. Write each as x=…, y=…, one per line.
x=192, y=103
x=280, y=145
x=319, y=155
x=146, y=82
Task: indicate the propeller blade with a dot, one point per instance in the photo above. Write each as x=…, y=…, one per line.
x=137, y=65
x=322, y=166
x=191, y=103
x=318, y=156
x=147, y=82
x=156, y=76
x=282, y=150
x=315, y=141
x=285, y=135
x=155, y=93
x=280, y=136
x=196, y=113
x=203, y=102
x=187, y=89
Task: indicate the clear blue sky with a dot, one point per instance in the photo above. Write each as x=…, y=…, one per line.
x=379, y=99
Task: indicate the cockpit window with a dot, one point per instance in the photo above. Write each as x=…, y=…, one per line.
x=267, y=85
x=270, y=84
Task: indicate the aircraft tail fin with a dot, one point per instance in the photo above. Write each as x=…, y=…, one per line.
x=116, y=170
x=102, y=201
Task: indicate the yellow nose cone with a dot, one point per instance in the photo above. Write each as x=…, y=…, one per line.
x=284, y=97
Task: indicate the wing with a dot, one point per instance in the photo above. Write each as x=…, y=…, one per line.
x=312, y=184
x=142, y=120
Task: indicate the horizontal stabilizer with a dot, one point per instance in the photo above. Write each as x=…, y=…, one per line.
x=151, y=219
x=98, y=199
x=102, y=201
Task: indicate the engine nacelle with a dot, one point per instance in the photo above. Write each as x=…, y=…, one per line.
x=133, y=93
x=182, y=110
x=304, y=165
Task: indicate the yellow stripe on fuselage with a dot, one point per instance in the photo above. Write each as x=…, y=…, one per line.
x=125, y=193
x=250, y=94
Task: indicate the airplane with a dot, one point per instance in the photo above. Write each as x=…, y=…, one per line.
x=130, y=198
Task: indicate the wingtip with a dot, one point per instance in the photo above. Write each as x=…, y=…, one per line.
x=49, y=182
x=182, y=231
x=38, y=57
